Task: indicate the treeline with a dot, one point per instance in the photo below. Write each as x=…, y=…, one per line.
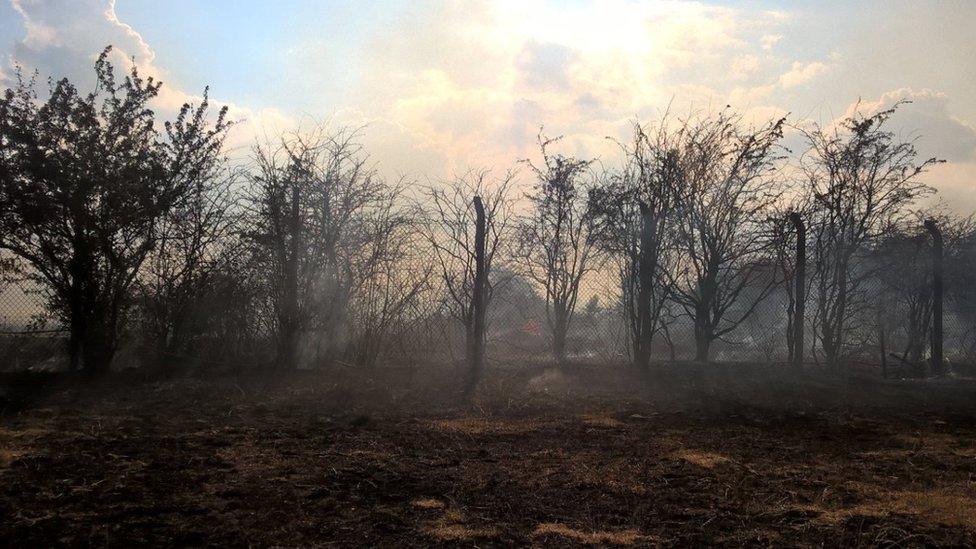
x=305, y=256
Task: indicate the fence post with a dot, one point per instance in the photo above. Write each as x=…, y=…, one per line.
x=645, y=277
x=883, y=346
x=478, y=297
x=799, y=290
x=938, y=366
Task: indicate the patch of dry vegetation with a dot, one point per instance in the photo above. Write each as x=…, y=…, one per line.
x=427, y=503
x=623, y=537
x=601, y=420
x=485, y=426
x=451, y=526
x=707, y=460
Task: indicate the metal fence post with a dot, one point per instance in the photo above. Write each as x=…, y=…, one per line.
x=799, y=290
x=645, y=277
x=478, y=297
x=938, y=365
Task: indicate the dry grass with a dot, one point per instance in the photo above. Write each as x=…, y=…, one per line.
x=484, y=426
x=427, y=503
x=451, y=527
x=247, y=462
x=624, y=537
x=459, y=532
x=707, y=460
x=8, y=456
x=944, y=505
x=938, y=505
x=595, y=420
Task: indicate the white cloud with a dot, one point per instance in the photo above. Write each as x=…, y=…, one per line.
x=585, y=73
x=64, y=42
x=927, y=119
x=744, y=67
x=472, y=88
x=801, y=73
x=769, y=40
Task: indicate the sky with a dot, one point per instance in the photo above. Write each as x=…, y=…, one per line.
x=444, y=87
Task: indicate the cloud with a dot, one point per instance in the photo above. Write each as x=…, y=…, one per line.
x=769, y=40
x=744, y=67
x=927, y=119
x=472, y=89
x=956, y=183
x=586, y=73
x=62, y=42
x=545, y=66
x=801, y=73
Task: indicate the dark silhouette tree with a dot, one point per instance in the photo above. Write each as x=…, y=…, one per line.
x=862, y=181
x=635, y=209
x=557, y=238
x=84, y=182
x=449, y=214
x=723, y=273
x=193, y=278
x=329, y=237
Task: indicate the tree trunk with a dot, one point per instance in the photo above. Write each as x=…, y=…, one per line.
x=645, y=279
x=98, y=347
x=703, y=336
x=833, y=349
x=76, y=304
x=76, y=337
x=559, y=329
x=883, y=348
x=288, y=335
x=938, y=366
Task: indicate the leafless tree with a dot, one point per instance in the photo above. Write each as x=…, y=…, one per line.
x=649, y=187
x=183, y=286
x=449, y=228
x=862, y=182
x=902, y=262
x=557, y=238
x=723, y=272
x=391, y=280
x=323, y=224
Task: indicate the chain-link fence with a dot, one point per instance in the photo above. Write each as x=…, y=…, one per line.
x=890, y=328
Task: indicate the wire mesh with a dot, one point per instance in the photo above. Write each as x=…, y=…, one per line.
x=517, y=331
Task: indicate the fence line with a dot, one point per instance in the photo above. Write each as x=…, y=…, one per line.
x=513, y=327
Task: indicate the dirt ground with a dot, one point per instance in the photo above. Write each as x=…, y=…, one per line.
x=596, y=455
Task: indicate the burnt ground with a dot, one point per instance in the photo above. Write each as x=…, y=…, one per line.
x=598, y=455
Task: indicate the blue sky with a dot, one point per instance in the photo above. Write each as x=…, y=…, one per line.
x=447, y=86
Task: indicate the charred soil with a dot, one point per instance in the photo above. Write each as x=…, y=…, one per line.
x=593, y=455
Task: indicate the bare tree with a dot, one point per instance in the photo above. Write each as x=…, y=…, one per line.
x=557, y=238
x=634, y=209
x=901, y=259
x=862, y=181
x=182, y=288
x=326, y=230
x=390, y=278
x=723, y=273
x=84, y=183
x=449, y=228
